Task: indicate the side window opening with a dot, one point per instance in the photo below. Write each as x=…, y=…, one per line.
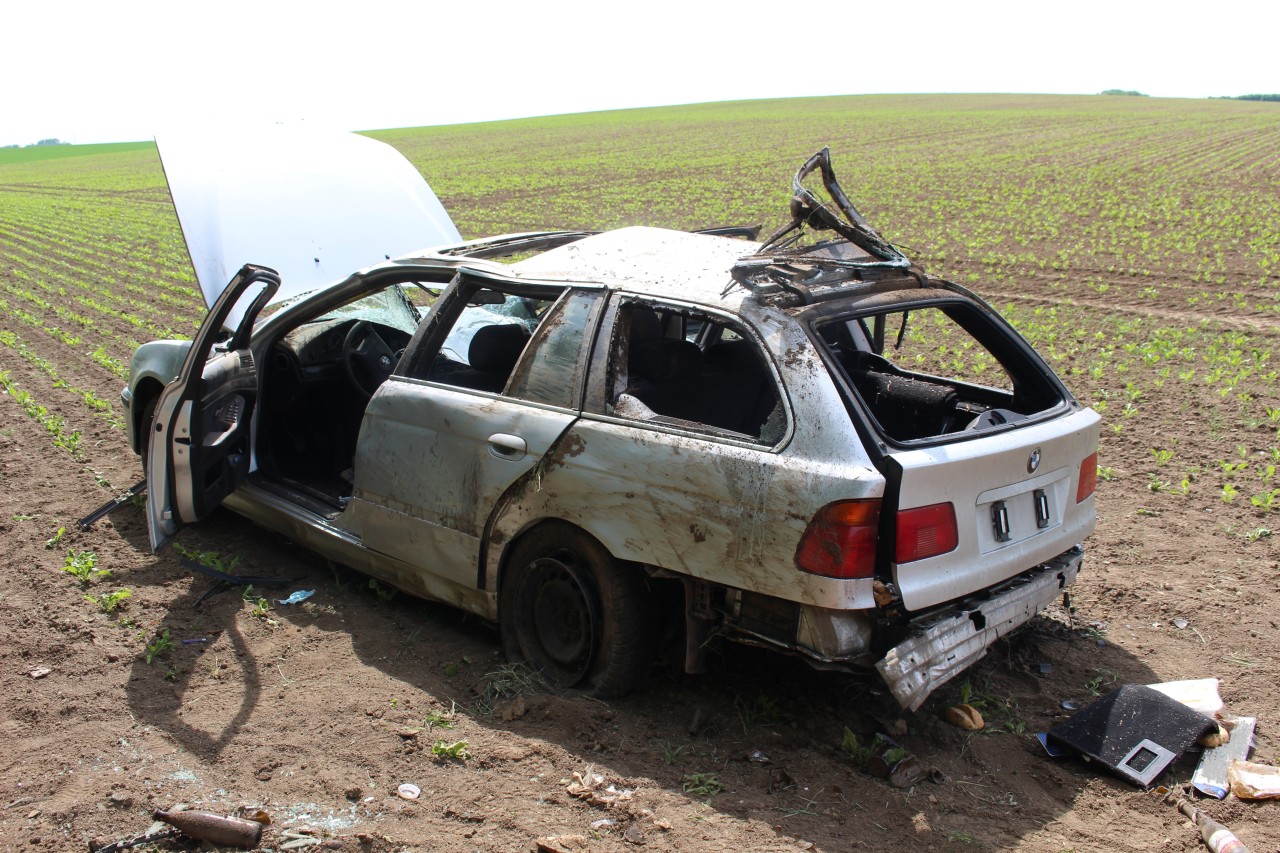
x=488, y=333
x=692, y=370
x=936, y=370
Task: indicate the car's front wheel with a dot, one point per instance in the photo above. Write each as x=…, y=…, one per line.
x=576, y=614
x=146, y=424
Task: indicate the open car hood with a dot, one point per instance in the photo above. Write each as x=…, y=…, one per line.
x=313, y=205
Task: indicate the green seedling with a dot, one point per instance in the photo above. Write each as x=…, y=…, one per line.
x=1267, y=501
x=159, y=647
x=970, y=696
x=852, y=747
x=210, y=559
x=1232, y=468
x=456, y=751
x=1257, y=534
x=56, y=539
x=1103, y=679
x=82, y=566
x=671, y=752
x=108, y=602
x=438, y=720
x=384, y=593
x=1229, y=493
x=1162, y=456
x=763, y=709
x=1106, y=473
x=702, y=784
x=259, y=606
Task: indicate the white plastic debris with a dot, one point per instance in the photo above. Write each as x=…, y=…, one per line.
x=1199, y=694
x=409, y=791
x=1250, y=781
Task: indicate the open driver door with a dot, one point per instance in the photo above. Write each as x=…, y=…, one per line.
x=200, y=441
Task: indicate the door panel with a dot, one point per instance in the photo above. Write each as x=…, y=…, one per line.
x=200, y=439
x=431, y=463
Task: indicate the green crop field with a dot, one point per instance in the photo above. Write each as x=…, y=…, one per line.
x=1134, y=241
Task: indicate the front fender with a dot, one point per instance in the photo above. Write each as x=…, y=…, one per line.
x=153, y=366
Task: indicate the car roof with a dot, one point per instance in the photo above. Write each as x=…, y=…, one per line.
x=651, y=261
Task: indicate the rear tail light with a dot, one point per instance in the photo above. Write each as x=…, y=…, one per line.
x=1088, y=477
x=840, y=542
x=926, y=531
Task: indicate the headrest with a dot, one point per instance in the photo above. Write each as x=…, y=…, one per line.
x=645, y=326
x=660, y=361
x=732, y=355
x=496, y=348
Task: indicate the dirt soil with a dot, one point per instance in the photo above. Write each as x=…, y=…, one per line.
x=317, y=713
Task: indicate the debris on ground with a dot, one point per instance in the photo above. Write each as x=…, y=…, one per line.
x=1200, y=694
x=1250, y=781
x=100, y=846
x=591, y=786
x=964, y=716
x=1134, y=730
x=1210, y=776
x=216, y=829
x=409, y=791
x=563, y=844
x=1216, y=837
x=297, y=597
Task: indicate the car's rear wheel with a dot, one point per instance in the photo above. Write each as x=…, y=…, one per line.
x=577, y=615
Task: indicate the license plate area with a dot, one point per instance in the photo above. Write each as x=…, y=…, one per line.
x=1015, y=513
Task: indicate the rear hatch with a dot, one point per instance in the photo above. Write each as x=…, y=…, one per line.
x=1017, y=503
x=982, y=447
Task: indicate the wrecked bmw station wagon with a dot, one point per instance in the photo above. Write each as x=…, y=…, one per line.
x=807, y=444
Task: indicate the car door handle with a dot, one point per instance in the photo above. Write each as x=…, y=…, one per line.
x=506, y=446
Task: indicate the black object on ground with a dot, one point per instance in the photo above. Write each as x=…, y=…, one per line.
x=112, y=505
x=1134, y=730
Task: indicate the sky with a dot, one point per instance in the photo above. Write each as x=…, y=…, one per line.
x=105, y=72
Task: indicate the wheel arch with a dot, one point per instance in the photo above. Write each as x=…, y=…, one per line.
x=500, y=557
x=147, y=390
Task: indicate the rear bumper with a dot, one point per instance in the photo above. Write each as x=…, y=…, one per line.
x=943, y=644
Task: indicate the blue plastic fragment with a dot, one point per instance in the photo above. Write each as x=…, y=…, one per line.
x=1050, y=748
x=297, y=597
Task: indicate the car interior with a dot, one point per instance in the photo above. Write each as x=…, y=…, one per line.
x=317, y=380
x=921, y=373
x=693, y=370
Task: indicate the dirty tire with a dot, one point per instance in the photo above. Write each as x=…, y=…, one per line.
x=145, y=425
x=576, y=614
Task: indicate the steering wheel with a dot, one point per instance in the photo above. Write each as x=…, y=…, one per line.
x=366, y=358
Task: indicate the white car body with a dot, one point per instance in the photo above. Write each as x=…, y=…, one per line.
x=670, y=411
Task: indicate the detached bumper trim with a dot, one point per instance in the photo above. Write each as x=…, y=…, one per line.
x=944, y=644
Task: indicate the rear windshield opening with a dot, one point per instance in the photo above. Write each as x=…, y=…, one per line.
x=937, y=370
